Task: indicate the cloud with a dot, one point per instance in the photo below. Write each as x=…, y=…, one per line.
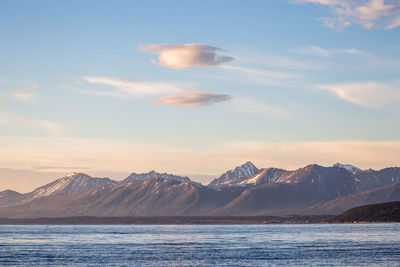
x=367, y=94
x=260, y=76
x=133, y=87
x=191, y=99
x=57, y=168
x=185, y=55
x=367, y=13
x=250, y=105
x=26, y=93
x=48, y=126
x=321, y=52
x=394, y=23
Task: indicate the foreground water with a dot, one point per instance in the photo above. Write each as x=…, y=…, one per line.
x=201, y=245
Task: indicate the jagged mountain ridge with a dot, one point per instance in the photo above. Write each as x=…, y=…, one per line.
x=248, y=191
x=150, y=197
x=239, y=174
x=359, y=180
x=77, y=182
x=69, y=184
x=153, y=174
x=349, y=167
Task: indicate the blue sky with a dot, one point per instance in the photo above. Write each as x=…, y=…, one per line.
x=194, y=88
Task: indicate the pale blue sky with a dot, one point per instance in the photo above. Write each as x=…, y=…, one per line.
x=301, y=73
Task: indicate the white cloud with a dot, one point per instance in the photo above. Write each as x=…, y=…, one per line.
x=191, y=99
x=26, y=93
x=48, y=126
x=367, y=13
x=133, y=87
x=368, y=94
x=185, y=55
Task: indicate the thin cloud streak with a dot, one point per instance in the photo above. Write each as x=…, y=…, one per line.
x=48, y=126
x=191, y=99
x=133, y=87
x=261, y=76
x=185, y=55
x=258, y=107
x=321, y=52
x=26, y=93
x=368, y=94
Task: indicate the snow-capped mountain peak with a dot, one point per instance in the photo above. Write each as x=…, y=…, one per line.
x=238, y=174
x=71, y=183
x=348, y=167
x=154, y=174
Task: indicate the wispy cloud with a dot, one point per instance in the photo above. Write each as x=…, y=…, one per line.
x=261, y=76
x=367, y=13
x=368, y=94
x=185, y=55
x=276, y=61
x=48, y=126
x=132, y=87
x=259, y=107
x=26, y=93
x=192, y=99
x=57, y=168
x=321, y=52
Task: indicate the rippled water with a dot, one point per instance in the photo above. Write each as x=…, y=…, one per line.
x=201, y=245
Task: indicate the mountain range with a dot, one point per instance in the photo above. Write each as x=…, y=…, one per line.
x=245, y=190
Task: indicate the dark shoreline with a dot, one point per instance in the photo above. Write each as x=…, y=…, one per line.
x=149, y=220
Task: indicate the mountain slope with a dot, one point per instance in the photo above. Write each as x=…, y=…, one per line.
x=69, y=184
x=381, y=212
x=383, y=194
x=370, y=179
x=150, y=197
x=8, y=197
x=293, y=190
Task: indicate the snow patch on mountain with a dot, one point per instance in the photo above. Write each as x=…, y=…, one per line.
x=154, y=174
x=348, y=167
x=236, y=176
x=69, y=184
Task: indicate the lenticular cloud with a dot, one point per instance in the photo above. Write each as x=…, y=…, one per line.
x=185, y=55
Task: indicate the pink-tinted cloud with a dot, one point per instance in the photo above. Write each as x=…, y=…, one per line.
x=185, y=55
x=367, y=13
x=191, y=99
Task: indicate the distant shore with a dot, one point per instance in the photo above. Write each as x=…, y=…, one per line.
x=88, y=220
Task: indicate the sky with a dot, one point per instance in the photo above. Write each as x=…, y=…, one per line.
x=195, y=87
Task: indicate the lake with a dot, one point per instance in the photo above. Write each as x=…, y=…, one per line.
x=201, y=245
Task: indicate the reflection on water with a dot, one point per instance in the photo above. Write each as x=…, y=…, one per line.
x=200, y=245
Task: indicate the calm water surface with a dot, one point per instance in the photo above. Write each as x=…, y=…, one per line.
x=201, y=245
